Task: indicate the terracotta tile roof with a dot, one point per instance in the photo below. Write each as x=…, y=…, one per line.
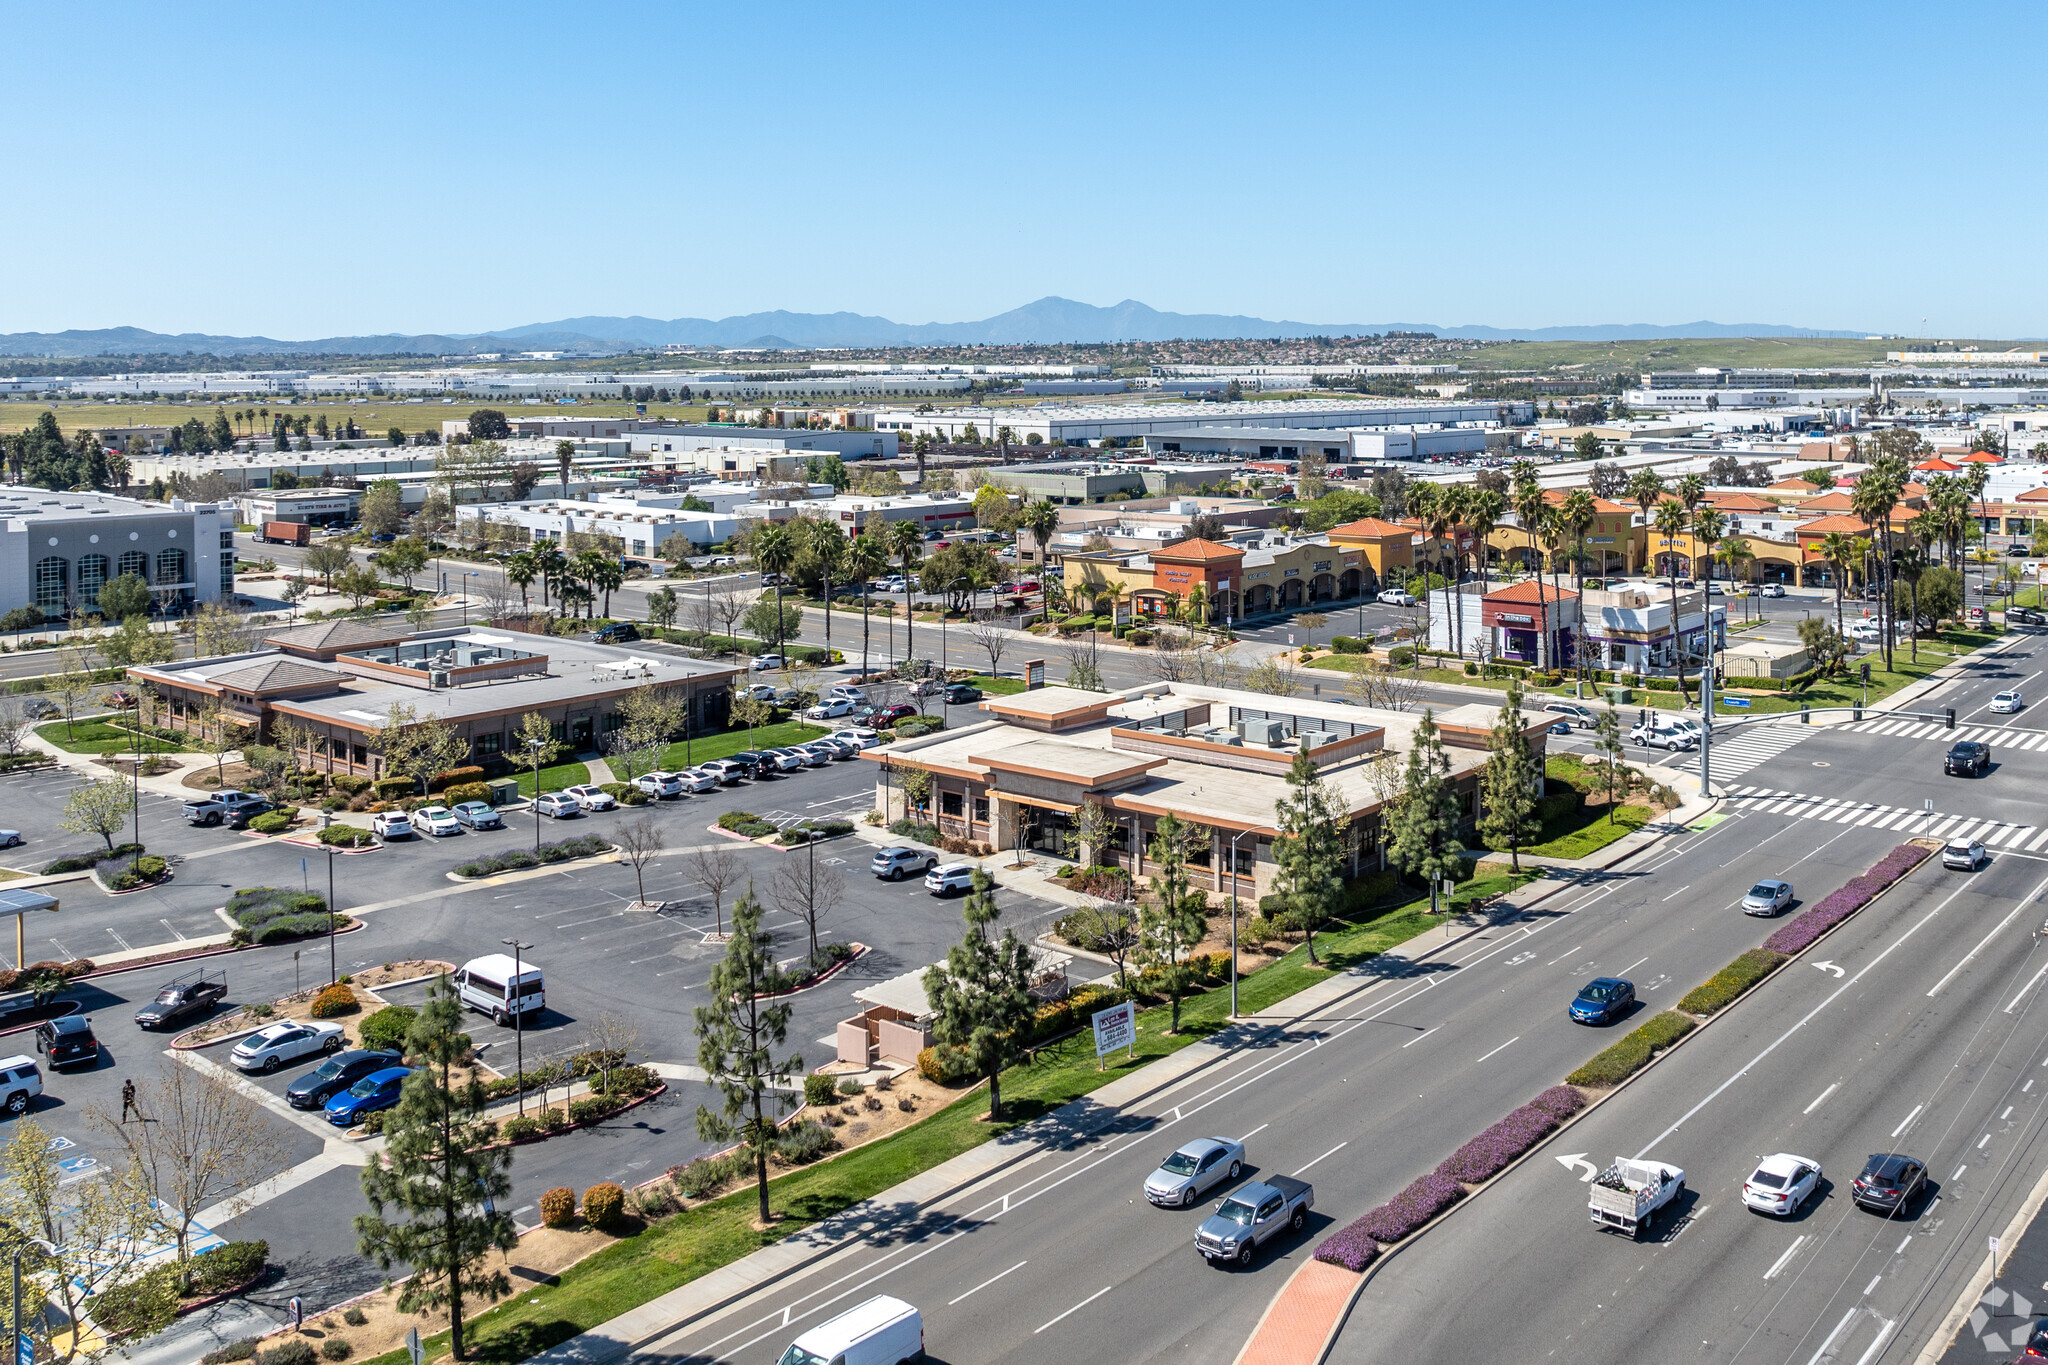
x=1822, y=525
x=1938, y=466
x=1791, y=486
x=1372, y=527
x=1834, y=500
x=2034, y=495
x=1526, y=591
x=1197, y=550
x=1741, y=502
x=1983, y=457
x=1556, y=496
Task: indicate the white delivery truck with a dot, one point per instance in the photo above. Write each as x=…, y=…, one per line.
x=882, y=1331
x=1627, y=1195
x=496, y=985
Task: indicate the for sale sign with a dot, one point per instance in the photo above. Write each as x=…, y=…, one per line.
x=1115, y=1027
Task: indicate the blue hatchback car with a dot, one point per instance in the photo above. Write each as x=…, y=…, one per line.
x=1603, y=1000
x=378, y=1090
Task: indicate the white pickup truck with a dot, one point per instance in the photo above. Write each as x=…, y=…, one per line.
x=1627, y=1195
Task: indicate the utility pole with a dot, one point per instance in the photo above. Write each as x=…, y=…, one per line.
x=513, y=998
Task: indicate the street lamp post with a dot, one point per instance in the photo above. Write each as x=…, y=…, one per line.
x=332, y=975
x=514, y=997
x=1233, y=919
x=14, y=1320
x=534, y=745
x=467, y=573
x=946, y=706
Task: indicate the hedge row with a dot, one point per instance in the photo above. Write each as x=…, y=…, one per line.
x=1623, y=1060
x=85, y=862
x=587, y=846
x=1722, y=988
x=1858, y=892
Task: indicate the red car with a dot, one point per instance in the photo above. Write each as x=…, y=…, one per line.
x=1030, y=585
x=889, y=715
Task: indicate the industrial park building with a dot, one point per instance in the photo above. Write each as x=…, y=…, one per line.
x=58, y=549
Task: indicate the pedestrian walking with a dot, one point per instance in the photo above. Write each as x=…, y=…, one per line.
x=128, y=1101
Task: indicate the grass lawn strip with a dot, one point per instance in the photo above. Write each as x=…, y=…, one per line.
x=687, y=1245
x=98, y=739
x=555, y=778
x=707, y=747
x=1585, y=842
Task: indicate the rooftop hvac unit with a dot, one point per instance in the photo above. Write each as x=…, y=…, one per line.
x=1228, y=737
x=437, y=678
x=1266, y=732
x=1316, y=739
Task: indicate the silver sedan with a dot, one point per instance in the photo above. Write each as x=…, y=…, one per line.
x=1196, y=1168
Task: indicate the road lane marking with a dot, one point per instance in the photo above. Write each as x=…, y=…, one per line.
x=1790, y=1251
x=1872, y=1285
x=2035, y=981
x=1908, y=1119
x=2006, y=1115
x=1632, y=966
x=1076, y=1308
x=1829, y=1344
x=1680, y=891
x=1884, y=1334
x=1981, y=943
x=1332, y=1152
x=1822, y=1097
x=1420, y=1036
x=1903, y=1245
x=1983, y=1142
x=1508, y=1044
x=1552, y=963
x=1958, y=1175
x=1253, y=1133
x=1804, y=1019
x=987, y=1282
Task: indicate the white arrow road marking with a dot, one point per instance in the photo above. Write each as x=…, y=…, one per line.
x=1574, y=1160
x=1830, y=967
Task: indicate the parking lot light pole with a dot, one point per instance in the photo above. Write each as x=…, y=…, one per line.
x=1233, y=919
x=469, y=573
x=518, y=1023
x=14, y=1321
x=331, y=975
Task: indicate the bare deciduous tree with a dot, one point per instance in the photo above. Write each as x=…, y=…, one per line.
x=1374, y=684
x=993, y=640
x=641, y=841
x=802, y=889
x=1107, y=927
x=14, y=724
x=717, y=870
x=610, y=1039
x=200, y=1140
x=1273, y=674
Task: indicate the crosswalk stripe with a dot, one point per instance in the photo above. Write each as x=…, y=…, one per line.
x=1942, y=828
x=2013, y=837
x=1890, y=816
x=2035, y=842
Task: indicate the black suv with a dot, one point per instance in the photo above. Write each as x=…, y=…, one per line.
x=335, y=1075
x=68, y=1041
x=2024, y=616
x=1889, y=1183
x=1967, y=758
x=617, y=633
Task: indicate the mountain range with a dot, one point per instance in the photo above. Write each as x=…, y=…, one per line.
x=1050, y=320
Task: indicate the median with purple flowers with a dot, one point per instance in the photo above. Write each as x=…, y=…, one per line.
x=1858, y=892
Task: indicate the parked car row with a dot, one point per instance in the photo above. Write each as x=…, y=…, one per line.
x=898, y=861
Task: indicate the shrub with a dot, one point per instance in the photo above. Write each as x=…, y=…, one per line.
x=226, y=1267
x=354, y=1316
x=350, y=783
x=1721, y=989
x=704, y=1175
x=124, y=1308
x=1616, y=1064
x=1560, y=1102
x=273, y=822
x=346, y=836
x=803, y=1142
x=519, y=1128
x=1411, y=1208
x=1400, y=656
x=245, y=1349
x=392, y=787
x=558, y=1205
x=589, y=1109
x=1350, y=644
x=1858, y=892
x=385, y=1029
x=554, y=1120
x=293, y=1352
x=942, y=1065
x=334, y=1002
x=85, y=862
x=906, y=828
x=852, y=1086
x=604, y=1204
x=454, y=777
x=1349, y=1247
x=151, y=867
x=466, y=791
x=336, y=1348
x=818, y=1090
x=733, y=819
x=1488, y=1154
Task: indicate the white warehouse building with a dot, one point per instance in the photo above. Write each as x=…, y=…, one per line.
x=639, y=530
x=58, y=549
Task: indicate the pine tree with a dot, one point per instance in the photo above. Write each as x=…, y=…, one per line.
x=1425, y=827
x=440, y=1172
x=1172, y=926
x=737, y=1034
x=1310, y=850
x=1508, y=788
x=982, y=994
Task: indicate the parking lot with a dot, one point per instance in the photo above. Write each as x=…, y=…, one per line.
x=600, y=957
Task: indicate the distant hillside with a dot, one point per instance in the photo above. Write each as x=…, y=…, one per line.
x=1050, y=320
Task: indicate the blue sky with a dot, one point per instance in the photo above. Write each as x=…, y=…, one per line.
x=299, y=171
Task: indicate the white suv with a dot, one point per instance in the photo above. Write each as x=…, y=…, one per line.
x=20, y=1081
x=659, y=784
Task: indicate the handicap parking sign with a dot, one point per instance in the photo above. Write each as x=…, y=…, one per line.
x=77, y=1165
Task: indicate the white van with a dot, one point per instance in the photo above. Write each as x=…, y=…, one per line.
x=482, y=985
x=882, y=1331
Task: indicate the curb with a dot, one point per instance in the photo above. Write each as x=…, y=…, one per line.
x=1952, y=1325
x=1387, y=1253
x=657, y=1092
x=860, y=950
x=489, y=877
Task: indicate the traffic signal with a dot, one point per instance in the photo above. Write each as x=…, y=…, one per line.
x=1951, y=716
x=1864, y=669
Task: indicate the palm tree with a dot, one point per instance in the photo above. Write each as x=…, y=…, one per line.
x=1840, y=551
x=553, y=567
x=1422, y=500
x=1577, y=515
x=907, y=542
x=828, y=543
x=774, y=551
x=1670, y=524
x=588, y=569
x=1741, y=563
x=1874, y=499
x=1646, y=490
x=1450, y=512
x=1041, y=519
x=866, y=558
x=1690, y=492
x=1483, y=512
x=606, y=574
x=1554, y=535
x=1529, y=505
x=1909, y=564
x=565, y=451
x=521, y=570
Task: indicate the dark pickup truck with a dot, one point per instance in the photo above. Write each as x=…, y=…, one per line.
x=184, y=999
